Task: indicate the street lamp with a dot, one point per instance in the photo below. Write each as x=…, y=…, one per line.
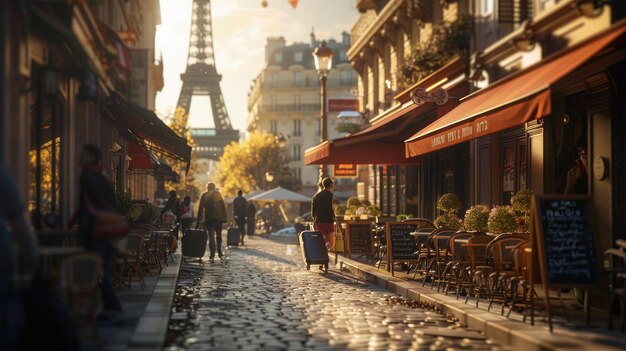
x=323, y=62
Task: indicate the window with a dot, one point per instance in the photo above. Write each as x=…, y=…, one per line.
x=278, y=57
x=343, y=55
x=274, y=127
x=297, y=174
x=296, y=128
x=346, y=77
x=297, y=56
x=297, y=78
x=486, y=7
x=296, y=154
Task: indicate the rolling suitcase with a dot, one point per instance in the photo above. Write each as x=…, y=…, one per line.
x=313, y=249
x=233, y=236
x=194, y=243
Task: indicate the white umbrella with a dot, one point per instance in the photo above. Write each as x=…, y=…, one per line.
x=230, y=199
x=280, y=194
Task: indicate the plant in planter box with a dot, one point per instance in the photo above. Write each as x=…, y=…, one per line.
x=449, y=203
x=502, y=219
x=448, y=221
x=521, y=205
x=476, y=218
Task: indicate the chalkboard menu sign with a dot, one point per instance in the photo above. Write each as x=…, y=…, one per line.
x=565, y=241
x=400, y=243
x=359, y=238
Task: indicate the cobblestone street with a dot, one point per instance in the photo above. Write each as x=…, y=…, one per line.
x=264, y=298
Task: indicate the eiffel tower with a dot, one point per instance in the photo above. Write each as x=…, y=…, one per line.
x=201, y=79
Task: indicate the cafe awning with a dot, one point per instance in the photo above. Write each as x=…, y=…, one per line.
x=144, y=124
x=141, y=157
x=382, y=141
x=510, y=102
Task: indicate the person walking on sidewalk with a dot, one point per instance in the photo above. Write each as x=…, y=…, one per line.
x=97, y=191
x=239, y=209
x=213, y=210
x=251, y=218
x=323, y=214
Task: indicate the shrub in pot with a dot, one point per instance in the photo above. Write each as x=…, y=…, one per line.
x=502, y=219
x=476, y=218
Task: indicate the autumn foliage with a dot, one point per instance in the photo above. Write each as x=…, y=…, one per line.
x=259, y=162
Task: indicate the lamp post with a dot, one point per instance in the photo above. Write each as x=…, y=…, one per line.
x=323, y=62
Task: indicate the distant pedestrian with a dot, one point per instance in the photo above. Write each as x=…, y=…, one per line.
x=172, y=207
x=186, y=214
x=239, y=209
x=97, y=191
x=213, y=210
x=323, y=214
x=251, y=219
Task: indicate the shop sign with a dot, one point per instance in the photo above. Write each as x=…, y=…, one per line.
x=338, y=105
x=345, y=170
x=459, y=134
x=421, y=96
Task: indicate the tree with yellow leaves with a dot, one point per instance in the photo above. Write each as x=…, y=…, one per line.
x=258, y=163
x=186, y=186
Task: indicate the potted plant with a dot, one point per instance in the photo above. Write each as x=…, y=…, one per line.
x=476, y=218
x=502, y=219
x=521, y=205
x=449, y=203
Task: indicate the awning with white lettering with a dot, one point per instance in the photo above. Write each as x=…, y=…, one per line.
x=510, y=102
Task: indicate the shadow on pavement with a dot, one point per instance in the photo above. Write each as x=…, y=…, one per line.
x=257, y=253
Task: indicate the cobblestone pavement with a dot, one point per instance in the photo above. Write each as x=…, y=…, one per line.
x=264, y=298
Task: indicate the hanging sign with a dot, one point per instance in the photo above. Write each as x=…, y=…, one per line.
x=421, y=96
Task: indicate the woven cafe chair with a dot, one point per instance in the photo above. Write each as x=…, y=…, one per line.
x=438, y=256
x=132, y=259
x=479, y=267
x=422, y=250
x=454, y=272
x=617, y=281
x=503, y=265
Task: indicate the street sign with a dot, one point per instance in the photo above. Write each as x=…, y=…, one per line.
x=338, y=105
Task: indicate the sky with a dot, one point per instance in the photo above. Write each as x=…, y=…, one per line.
x=240, y=30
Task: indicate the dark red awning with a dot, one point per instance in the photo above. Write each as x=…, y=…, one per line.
x=140, y=157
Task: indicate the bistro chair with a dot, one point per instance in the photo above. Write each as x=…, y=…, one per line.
x=503, y=268
x=421, y=240
x=458, y=254
x=479, y=267
x=617, y=281
x=81, y=272
x=131, y=261
x=437, y=254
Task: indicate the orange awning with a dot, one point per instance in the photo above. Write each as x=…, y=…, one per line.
x=382, y=141
x=510, y=102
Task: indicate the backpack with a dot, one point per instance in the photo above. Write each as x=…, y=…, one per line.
x=184, y=209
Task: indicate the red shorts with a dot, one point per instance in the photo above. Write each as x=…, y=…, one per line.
x=328, y=230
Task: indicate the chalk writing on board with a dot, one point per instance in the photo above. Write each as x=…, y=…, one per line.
x=402, y=243
x=360, y=238
x=568, y=242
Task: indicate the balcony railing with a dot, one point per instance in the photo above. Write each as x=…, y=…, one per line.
x=310, y=83
x=291, y=108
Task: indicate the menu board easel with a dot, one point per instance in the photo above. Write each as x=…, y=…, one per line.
x=564, y=239
x=359, y=238
x=400, y=243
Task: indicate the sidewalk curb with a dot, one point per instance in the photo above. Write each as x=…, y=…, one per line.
x=151, y=329
x=521, y=336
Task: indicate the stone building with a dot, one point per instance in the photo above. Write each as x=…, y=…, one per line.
x=285, y=100
x=486, y=98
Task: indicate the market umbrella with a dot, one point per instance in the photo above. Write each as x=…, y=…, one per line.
x=280, y=194
x=230, y=199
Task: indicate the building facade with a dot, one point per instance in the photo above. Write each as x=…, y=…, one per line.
x=489, y=98
x=285, y=100
x=69, y=77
